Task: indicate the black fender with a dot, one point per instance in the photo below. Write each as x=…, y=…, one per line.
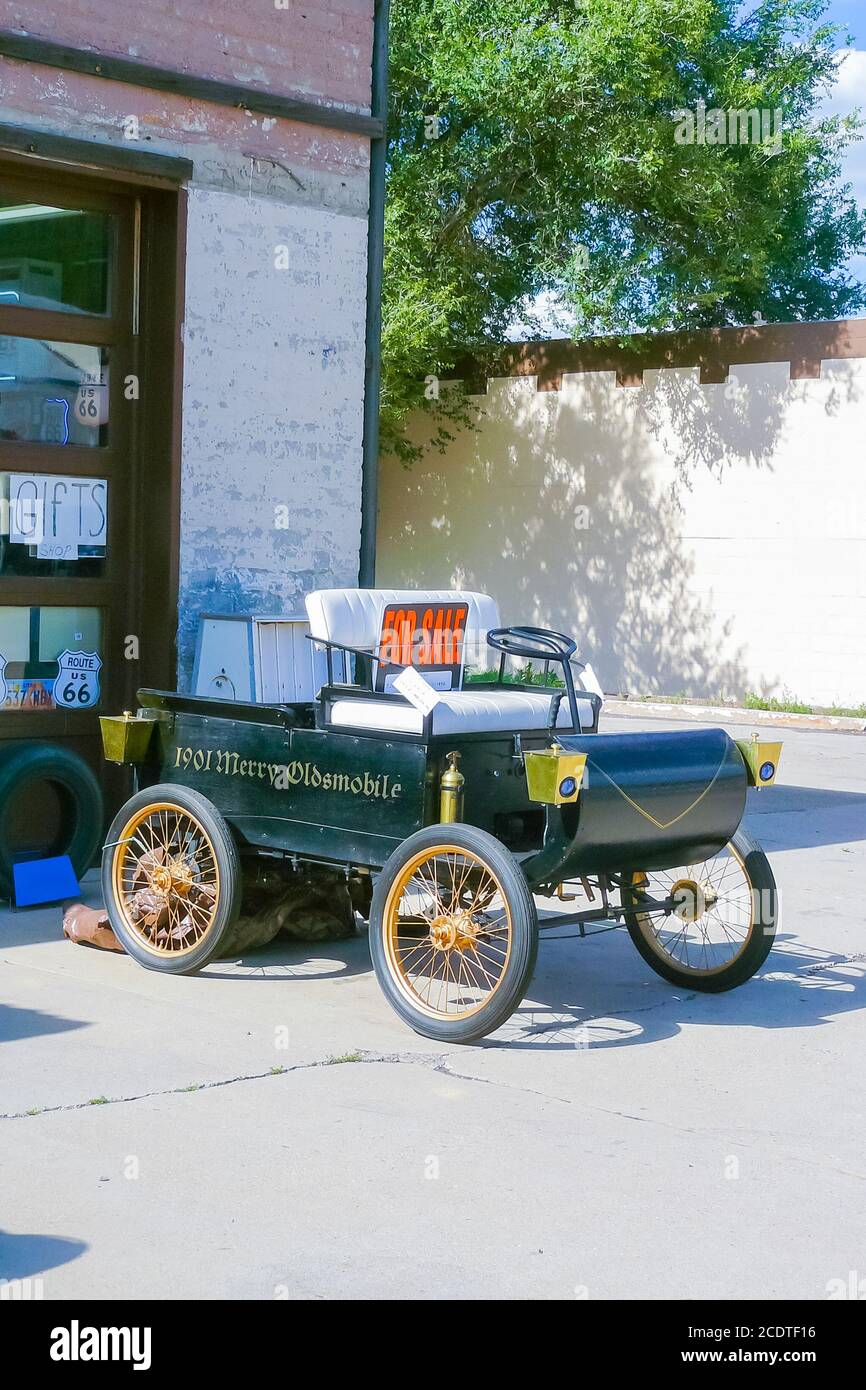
x=647, y=801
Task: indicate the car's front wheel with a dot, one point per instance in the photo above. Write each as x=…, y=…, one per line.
x=453, y=932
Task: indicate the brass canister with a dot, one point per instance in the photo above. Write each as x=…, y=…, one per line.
x=451, y=791
x=125, y=738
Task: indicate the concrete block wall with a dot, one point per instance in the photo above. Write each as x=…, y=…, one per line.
x=698, y=538
x=273, y=358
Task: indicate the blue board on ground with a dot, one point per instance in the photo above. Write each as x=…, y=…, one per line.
x=44, y=881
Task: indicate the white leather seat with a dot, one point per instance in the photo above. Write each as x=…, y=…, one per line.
x=462, y=712
x=353, y=618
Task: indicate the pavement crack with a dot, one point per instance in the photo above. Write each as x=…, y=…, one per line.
x=441, y=1063
x=435, y=1061
x=355, y=1059
x=856, y=959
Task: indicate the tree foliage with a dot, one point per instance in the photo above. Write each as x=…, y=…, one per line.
x=532, y=156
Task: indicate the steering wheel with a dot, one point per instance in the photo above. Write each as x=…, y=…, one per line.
x=537, y=643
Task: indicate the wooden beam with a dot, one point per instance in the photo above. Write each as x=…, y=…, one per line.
x=160, y=169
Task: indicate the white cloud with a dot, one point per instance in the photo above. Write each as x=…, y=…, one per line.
x=848, y=93
x=850, y=88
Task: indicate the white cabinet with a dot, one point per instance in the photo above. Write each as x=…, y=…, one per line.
x=265, y=660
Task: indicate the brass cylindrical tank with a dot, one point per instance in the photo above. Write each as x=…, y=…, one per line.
x=451, y=791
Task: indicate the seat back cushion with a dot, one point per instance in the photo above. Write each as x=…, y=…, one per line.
x=353, y=617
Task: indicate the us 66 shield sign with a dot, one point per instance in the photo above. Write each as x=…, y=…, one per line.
x=76, y=685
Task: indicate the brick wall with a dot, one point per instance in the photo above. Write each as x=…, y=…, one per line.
x=273, y=358
x=312, y=49
x=273, y=407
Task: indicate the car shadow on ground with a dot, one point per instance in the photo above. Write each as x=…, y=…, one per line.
x=297, y=960
x=599, y=993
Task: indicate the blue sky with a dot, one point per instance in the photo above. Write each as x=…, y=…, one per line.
x=851, y=92
x=853, y=14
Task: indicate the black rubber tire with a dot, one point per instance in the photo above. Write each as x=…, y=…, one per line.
x=524, y=926
x=228, y=863
x=743, y=967
x=24, y=764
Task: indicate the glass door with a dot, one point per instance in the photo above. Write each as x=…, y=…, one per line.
x=68, y=393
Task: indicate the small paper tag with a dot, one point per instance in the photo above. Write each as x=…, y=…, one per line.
x=589, y=680
x=437, y=680
x=415, y=689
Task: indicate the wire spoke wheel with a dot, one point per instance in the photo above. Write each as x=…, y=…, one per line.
x=171, y=878
x=453, y=932
x=717, y=922
x=166, y=878
x=448, y=932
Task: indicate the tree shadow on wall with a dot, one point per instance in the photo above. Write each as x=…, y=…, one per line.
x=505, y=508
x=731, y=424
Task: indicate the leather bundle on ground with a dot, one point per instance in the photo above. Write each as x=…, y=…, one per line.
x=89, y=926
x=307, y=903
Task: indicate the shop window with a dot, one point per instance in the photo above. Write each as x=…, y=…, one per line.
x=53, y=524
x=54, y=258
x=50, y=658
x=53, y=393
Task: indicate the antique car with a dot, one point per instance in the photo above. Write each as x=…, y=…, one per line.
x=447, y=806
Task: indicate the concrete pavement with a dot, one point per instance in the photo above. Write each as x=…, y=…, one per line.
x=270, y=1129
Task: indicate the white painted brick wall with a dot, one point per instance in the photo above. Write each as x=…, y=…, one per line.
x=273, y=406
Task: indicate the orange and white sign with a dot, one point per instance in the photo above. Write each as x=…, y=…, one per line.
x=429, y=638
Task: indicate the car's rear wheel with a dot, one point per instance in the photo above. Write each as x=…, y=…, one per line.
x=453, y=932
x=719, y=922
x=171, y=879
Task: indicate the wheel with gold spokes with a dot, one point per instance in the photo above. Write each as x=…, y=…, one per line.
x=171, y=879
x=453, y=932
x=717, y=921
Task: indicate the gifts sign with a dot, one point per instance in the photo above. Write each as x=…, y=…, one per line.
x=60, y=516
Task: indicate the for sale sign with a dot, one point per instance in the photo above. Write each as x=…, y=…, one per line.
x=430, y=638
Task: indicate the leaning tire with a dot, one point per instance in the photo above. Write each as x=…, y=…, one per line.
x=729, y=940
x=22, y=767
x=453, y=933
x=171, y=879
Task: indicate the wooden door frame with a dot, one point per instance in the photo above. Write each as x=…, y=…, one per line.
x=142, y=576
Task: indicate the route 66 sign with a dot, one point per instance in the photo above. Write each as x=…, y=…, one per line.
x=76, y=685
x=91, y=403
x=4, y=689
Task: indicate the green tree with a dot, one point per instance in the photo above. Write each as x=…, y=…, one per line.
x=536, y=147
